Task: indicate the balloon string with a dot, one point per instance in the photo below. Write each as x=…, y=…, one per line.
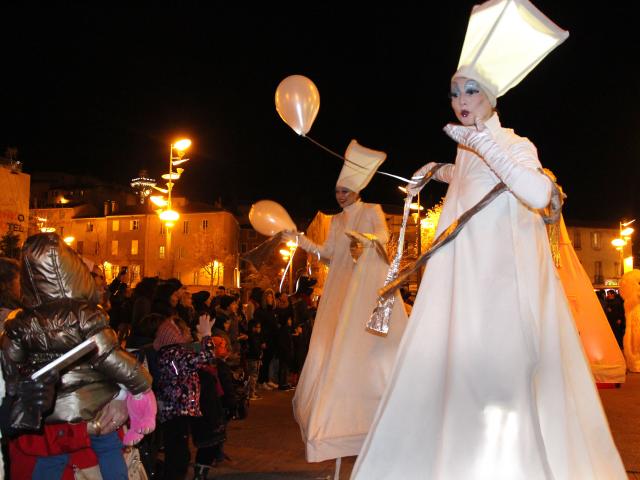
x=406, y=180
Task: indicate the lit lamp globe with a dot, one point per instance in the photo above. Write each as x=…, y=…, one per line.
x=618, y=243
x=169, y=217
x=69, y=240
x=182, y=145
x=158, y=200
x=627, y=232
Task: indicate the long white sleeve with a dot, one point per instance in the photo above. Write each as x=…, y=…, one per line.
x=445, y=174
x=325, y=251
x=517, y=167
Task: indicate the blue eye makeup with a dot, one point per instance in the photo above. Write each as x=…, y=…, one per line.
x=471, y=87
x=454, y=92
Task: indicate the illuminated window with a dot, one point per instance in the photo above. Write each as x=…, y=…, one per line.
x=89, y=227
x=134, y=247
x=182, y=252
x=205, y=224
x=134, y=225
x=162, y=228
x=161, y=251
x=185, y=227
x=596, y=240
x=115, y=225
x=114, y=247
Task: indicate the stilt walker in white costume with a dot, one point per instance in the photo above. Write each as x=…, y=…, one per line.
x=347, y=368
x=491, y=381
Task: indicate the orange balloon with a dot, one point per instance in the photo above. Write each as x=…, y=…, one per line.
x=297, y=103
x=268, y=218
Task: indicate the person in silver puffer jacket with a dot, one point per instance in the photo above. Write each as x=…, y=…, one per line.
x=60, y=311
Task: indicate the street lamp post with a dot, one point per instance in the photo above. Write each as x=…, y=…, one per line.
x=168, y=215
x=287, y=256
x=625, y=232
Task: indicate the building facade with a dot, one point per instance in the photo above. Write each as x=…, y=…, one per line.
x=600, y=259
x=201, y=249
x=14, y=202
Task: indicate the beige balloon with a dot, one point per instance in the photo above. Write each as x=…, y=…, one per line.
x=268, y=218
x=298, y=102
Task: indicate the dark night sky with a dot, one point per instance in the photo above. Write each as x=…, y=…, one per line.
x=106, y=91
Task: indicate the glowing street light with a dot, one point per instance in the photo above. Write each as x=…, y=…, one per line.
x=618, y=243
x=168, y=215
x=626, y=264
x=182, y=145
x=158, y=200
x=69, y=240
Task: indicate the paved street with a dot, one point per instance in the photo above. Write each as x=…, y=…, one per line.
x=267, y=445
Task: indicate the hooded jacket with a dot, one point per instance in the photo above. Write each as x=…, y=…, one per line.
x=60, y=311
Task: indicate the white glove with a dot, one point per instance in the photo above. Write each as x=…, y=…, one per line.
x=527, y=183
x=204, y=325
x=307, y=245
x=412, y=188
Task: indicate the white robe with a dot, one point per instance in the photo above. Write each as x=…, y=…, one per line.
x=347, y=368
x=491, y=381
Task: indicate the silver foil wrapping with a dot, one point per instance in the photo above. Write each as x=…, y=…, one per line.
x=379, y=321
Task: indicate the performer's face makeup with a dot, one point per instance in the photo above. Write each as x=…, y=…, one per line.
x=345, y=197
x=468, y=101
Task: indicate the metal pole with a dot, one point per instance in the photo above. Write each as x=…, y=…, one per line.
x=168, y=225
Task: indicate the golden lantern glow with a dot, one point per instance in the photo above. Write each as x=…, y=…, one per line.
x=182, y=145
x=285, y=253
x=173, y=175
x=69, y=240
x=628, y=264
x=48, y=229
x=169, y=216
x=158, y=200
x=292, y=244
x=416, y=207
x=618, y=242
x=627, y=232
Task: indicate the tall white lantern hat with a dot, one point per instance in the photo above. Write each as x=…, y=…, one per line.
x=361, y=165
x=505, y=40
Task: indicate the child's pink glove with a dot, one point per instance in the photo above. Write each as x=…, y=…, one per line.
x=142, y=416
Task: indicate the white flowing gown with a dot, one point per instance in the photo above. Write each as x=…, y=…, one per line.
x=491, y=381
x=347, y=368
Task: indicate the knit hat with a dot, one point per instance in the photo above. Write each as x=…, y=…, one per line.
x=362, y=164
x=170, y=334
x=505, y=40
x=200, y=297
x=225, y=301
